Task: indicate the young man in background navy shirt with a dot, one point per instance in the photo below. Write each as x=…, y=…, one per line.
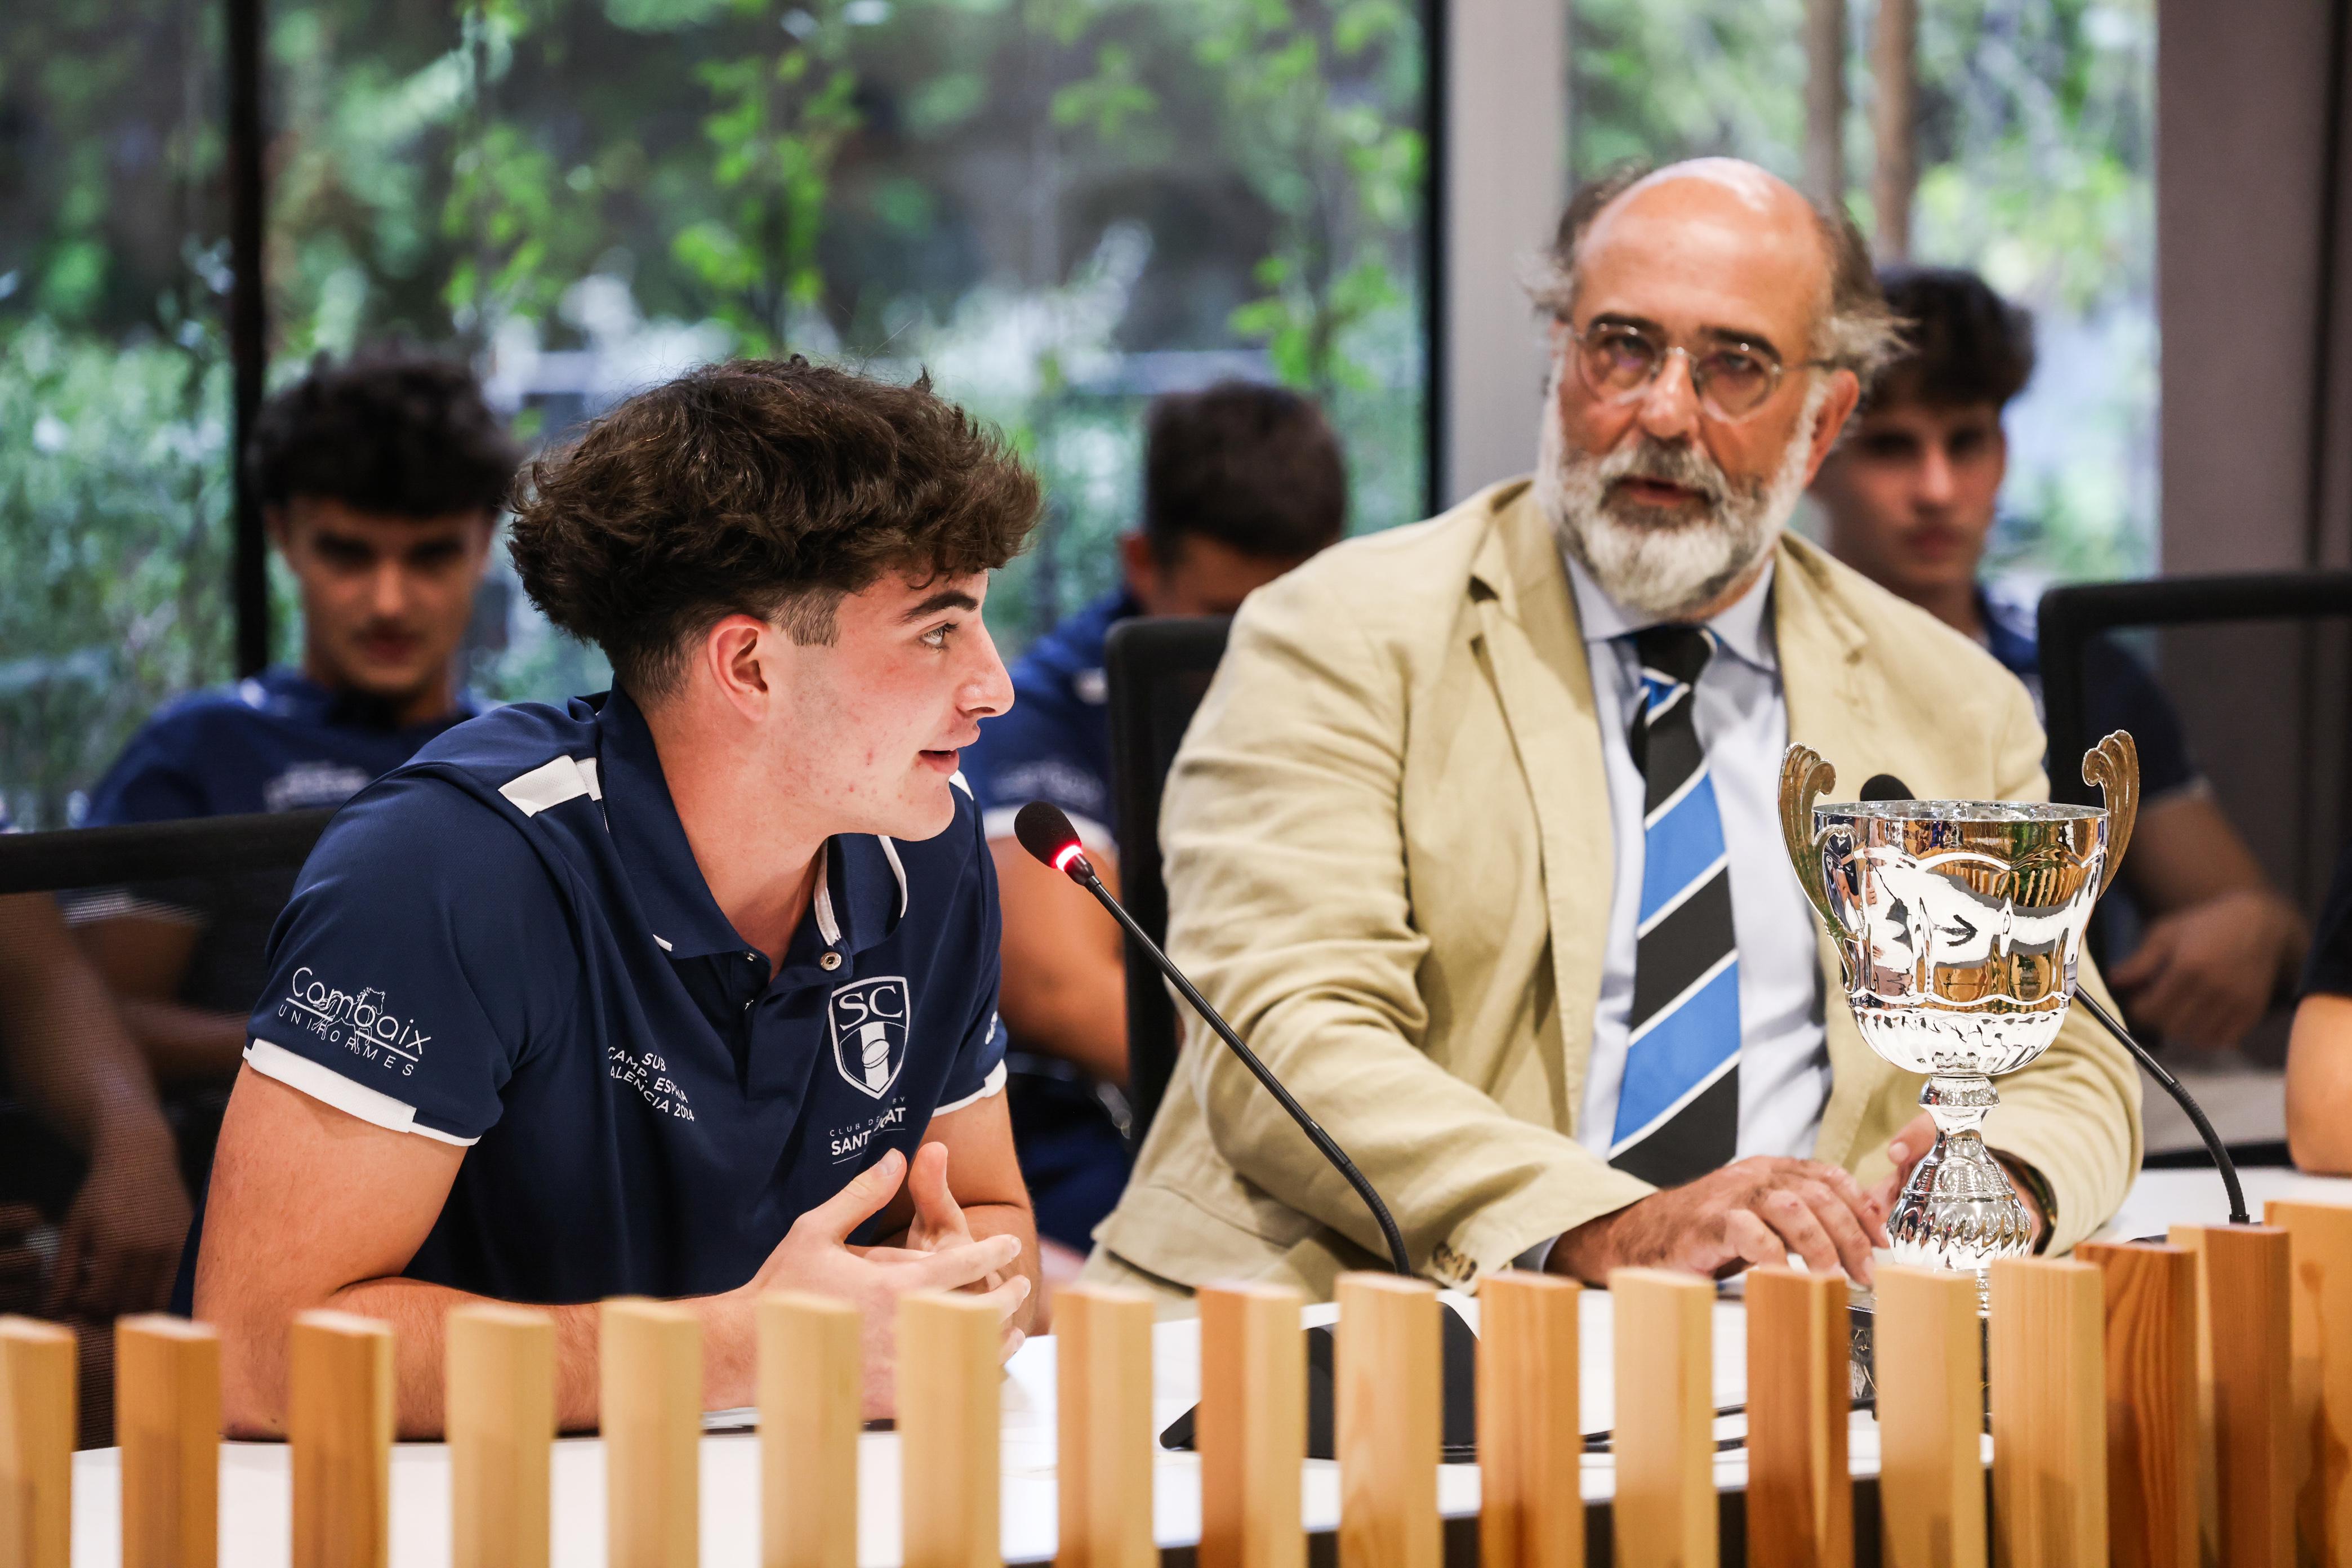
x=380, y=481
x=1910, y=496
x=1241, y=483
x=688, y=990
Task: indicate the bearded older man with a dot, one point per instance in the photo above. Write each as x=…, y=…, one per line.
x=1475, y=835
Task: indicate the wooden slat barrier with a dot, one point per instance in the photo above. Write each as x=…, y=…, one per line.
x=1530, y=1443
x=2248, y=1346
x=1386, y=1414
x=2049, y=1413
x=649, y=1402
x=498, y=1404
x=2151, y=1369
x=1663, y=1328
x=811, y=1389
x=1252, y=1428
x=2319, y=1243
x=36, y=1439
x=948, y=1421
x=167, y=1417
x=1800, y=1395
x=1102, y=1383
x=1928, y=1363
x=339, y=1429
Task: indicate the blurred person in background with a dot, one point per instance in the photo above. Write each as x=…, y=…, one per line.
x=1241, y=483
x=381, y=482
x=1910, y=498
x=2319, y=1052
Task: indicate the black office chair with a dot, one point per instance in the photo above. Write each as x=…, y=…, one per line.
x=2269, y=683
x=1157, y=668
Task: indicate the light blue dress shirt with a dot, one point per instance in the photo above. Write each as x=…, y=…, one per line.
x=1743, y=722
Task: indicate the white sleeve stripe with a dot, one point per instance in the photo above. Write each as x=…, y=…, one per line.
x=992, y=1084
x=331, y=1087
x=996, y=821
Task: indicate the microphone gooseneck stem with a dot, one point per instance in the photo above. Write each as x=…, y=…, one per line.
x=2171, y=1085
x=1308, y=1124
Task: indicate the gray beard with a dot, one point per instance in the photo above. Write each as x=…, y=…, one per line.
x=1659, y=563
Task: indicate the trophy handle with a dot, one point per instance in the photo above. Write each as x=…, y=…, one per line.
x=1805, y=778
x=2113, y=765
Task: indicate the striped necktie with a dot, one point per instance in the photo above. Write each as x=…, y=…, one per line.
x=1678, y=1107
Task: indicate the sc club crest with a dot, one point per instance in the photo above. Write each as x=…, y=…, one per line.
x=869, y=1033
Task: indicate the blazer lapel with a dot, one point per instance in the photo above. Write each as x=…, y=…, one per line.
x=1534, y=652
x=1834, y=709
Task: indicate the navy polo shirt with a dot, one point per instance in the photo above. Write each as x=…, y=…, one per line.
x=507, y=944
x=1054, y=744
x=275, y=742
x=2119, y=693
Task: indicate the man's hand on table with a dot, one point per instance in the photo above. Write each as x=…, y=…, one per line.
x=815, y=1256
x=1751, y=1212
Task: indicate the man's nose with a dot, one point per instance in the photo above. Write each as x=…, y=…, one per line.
x=1937, y=482
x=388, y=589
x=988, y=691
x=1669, y=406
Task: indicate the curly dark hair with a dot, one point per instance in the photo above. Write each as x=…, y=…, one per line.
x=392, y=432
x=767, y=487
x=1253, y=467
x=1962, y=343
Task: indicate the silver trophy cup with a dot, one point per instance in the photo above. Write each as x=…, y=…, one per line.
x=1959, y=925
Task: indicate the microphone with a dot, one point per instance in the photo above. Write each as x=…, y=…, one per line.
x=1047, y=834
x=1887, y=787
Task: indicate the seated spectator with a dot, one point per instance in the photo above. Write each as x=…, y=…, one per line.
x=1910, y=502
x=380, y=481
x=2319, y=1053
x=1241, y=483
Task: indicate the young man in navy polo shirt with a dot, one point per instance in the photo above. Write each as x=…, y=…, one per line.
x=688, y=990
x=380, y=480
x=1241, y=483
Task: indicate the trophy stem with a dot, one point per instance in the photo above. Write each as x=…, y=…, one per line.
x=1958, y=1211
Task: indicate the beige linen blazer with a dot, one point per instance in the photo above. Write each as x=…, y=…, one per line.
x=1389, y=863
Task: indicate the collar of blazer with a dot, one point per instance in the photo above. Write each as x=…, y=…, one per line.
x=1525, y=618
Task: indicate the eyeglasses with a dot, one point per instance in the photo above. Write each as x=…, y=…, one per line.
x=1619, y=361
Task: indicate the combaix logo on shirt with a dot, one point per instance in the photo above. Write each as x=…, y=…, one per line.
x=869, y=1033
x=362, y=1022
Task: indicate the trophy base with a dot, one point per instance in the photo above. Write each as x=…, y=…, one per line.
x=1958, y=1211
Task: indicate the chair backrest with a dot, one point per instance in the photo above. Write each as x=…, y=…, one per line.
x=1157, y=670
x=2259, y=666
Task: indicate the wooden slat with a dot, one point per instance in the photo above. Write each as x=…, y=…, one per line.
x=1102, y=1383
x=1252, y=1427
x=2248, y=1346
x=2151, y=1364
x=948, y=1421
x=36, y=1439
x=812, y=1383
x=2319, y=1237
x=1387, y=1422
x=1664, y=1327
x=1531, y=1505
x=167, y=1417
x=498, y=1404
x=1799, y=1393
x=649, y=1398
x=2049, y=1415
x=1928, y=1361
x=339, y=1428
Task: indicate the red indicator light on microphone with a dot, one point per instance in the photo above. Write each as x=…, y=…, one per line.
x=1065, y=854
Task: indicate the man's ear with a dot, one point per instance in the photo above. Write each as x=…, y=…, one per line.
x=276, y=521
x=1845, y=393
x=742, y=655
x=1140, y=565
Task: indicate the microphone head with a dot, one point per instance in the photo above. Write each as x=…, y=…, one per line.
x=1046, y=832
x=1886, y=787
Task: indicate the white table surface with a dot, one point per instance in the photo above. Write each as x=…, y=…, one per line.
x=255, y=1488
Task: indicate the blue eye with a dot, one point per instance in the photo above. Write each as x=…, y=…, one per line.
x=937, y=636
